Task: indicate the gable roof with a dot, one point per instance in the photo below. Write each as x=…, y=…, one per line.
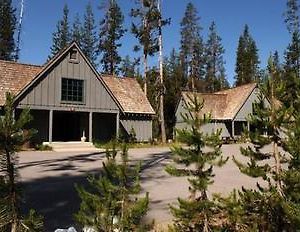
x=126, y=92
x=129, y=94
x=223, y=105
x=15, y=76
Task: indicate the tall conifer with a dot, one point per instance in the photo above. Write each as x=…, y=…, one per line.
x=215, y=78
x=247, y=60
x=62, y=36
x=145, y=28
x=7, y=30
x=191, y=48
x=111, y=31
x=76, y=30
x=89, y=39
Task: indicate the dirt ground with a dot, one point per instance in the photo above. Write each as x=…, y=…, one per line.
x=49, y=179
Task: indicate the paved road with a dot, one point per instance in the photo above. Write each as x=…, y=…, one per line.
x=49, y=179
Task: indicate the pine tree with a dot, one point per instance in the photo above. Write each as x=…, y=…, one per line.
x=61, y=37
x=190, y=39
x=111, y=31
x=145, y=29
x=291, y=16
x=268, y=208
x=174, y=83
x=247, y=59
x=89, y=40
x=76, y=30
x=7, y=30
x=215, y=72
x=291, y=70
x=198, y=212
x=108, y=205
x=12, y=137
x=128, y=67
x=197, y=69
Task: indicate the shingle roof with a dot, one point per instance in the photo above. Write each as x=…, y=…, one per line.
x=223, y=105
x=129, y=94
x=15, y=76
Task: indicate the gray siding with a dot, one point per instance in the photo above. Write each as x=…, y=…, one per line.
x=208, y=128
x=46, y=93
x=142, y=128
x=247, y=108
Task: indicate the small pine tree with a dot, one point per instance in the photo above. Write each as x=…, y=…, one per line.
x=12, y=137
x=198, y=156
x=62, y=36
x=110, y=203
x=7, y=30
x=268, y=208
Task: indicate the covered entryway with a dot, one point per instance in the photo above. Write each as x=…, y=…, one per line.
x=70, y=126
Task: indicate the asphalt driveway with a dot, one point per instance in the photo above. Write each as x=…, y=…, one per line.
x=49, y=178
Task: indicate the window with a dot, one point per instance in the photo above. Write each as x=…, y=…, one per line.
x=73, y=55
x=72, y=90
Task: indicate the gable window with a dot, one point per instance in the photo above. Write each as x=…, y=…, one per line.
x=72, y=90
x=74, y=55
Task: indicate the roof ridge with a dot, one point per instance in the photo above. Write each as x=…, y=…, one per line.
x=19, y=63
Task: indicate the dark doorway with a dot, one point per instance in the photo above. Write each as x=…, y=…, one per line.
x=69, y=126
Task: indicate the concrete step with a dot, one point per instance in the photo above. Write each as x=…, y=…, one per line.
x=72, y=146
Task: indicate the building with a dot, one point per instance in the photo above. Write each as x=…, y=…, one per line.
x=68, y=98
x=229, y=109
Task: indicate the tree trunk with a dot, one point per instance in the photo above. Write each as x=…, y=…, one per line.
x=12, y=191
x=161, y=108
x=277, y=169
x=145, y=74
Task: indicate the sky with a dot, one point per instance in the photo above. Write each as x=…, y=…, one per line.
x=264, y=17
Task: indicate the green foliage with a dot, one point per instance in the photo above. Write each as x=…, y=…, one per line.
x=272, y=207
x=196, y=159
x=88, y=34
x=12, y=137
x=291, y=16
x=190, y=41
x=110, y=203
x=7, y=29
x=111, y=31
x=215, y=71
x=77, y=30
x=62, y=36
x=174, y=82
x=128, y=67
x=247, y=60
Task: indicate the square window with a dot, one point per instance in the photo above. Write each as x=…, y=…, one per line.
x=72, y=90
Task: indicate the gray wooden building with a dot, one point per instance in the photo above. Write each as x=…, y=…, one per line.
x=68, y=98
x=229, y=109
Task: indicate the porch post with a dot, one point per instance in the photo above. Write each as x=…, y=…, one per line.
x=248, y=126
x=50, y=125
x=91, y=127
x=232, y=129
x=117, y=125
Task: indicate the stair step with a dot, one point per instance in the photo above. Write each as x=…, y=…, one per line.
x=72, y=146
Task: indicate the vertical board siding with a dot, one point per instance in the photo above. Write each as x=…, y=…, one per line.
x=142, y=128
x=47, y=91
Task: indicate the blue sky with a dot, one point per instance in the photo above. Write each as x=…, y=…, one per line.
x=264, y=17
